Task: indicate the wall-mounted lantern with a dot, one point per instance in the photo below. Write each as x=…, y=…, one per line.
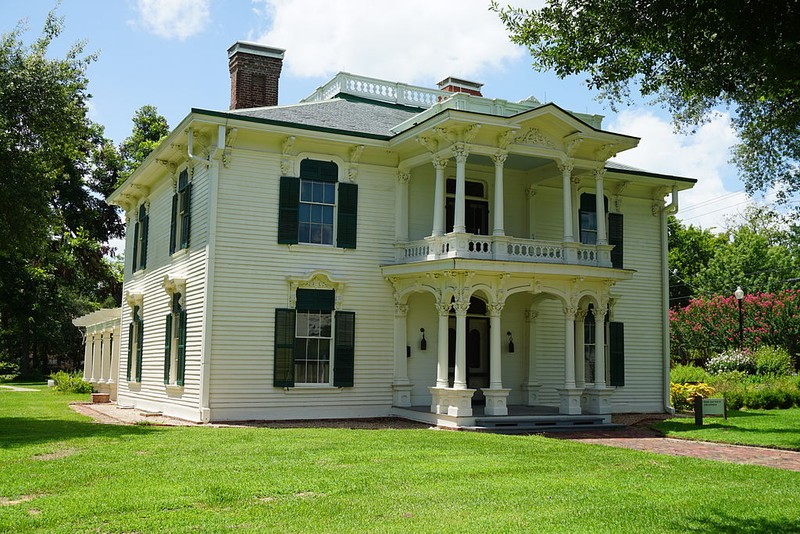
x=423, y=343
x=510, y=342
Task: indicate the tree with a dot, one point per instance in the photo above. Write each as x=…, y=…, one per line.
x=57, y=170
x=149, y=129
x=690, y=250
x=690, y=56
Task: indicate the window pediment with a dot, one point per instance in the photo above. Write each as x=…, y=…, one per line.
x=321, y=280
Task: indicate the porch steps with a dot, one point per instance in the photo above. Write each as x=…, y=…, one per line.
x=545, y=423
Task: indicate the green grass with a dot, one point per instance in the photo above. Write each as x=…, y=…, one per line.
x=76, y=476
x=765, y=428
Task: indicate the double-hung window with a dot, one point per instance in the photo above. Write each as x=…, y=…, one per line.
x=314, y=345
x=588, y=227
x=315, y=208
x=140, y=231
x=135, y=346
x=175, y=342
x=181, y=213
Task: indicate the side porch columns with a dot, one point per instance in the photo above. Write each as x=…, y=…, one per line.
x=443, y=347
x=401, y=386
x=496, y=396
x=580, y=349
x=532, y=386
x=438, y=197
x=105, y=359
x=600, y=347
x=566, y=184
x=499, y=160
x=461, y=153
x=460, y=380
x=401, y=215
x=87, y=356
x=97, y=352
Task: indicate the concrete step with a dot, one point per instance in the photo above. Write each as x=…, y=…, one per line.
x=538, y=424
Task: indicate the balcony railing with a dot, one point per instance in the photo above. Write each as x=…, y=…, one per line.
x=503, y=248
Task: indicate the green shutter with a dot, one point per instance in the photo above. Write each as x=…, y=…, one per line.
x=347, y=205
x=324, y=171
x=181, y=347
x=186, y=218
x=130, y=351
x=615, y=238
x=288, y=211
x=145, y=227
x=135, y=262
x=167, y=348
x=173, y=226
x=315, y=299
x=284, y=348
x=344, y=349
x=616, y=354
x=139, y=348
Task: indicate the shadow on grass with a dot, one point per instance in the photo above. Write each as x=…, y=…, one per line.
x=721, y=522
x=22, y=431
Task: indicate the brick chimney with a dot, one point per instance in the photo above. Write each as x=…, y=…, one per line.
x=456, y=85
x=255, y=70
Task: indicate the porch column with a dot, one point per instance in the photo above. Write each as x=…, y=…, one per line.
x=401, y=215
x=569, y=362
x=499, y=160
x=97, y=351
x=530, y=192
x=532, y=385
x=443, y=346
x=600, y=207
x=495, y=348
x=580, y=350
x=114, y=376
x=87, y=356
x=105, y=364
x=401, y=387
x=439, y=197
x=460, y=380
x=600, y=347
x=566, y=184
x=461, y=154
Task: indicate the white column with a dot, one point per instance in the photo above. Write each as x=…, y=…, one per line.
x=114, y=376
x=443, y=345
x=530, y=192
x=602, y=237
x=460, y=380
x=400, y=344
x=580, y=350
x=495, y=348
x=87, y=356
x=461, y=153
x=439, y=197
x=576, y=202
x=499, y=160
x=401, y=215
x=569, y=353
x=105, y=363
x=96, y=356
x=566, y=185
x=600, y=347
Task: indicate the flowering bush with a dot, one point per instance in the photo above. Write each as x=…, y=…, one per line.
x=683, y=395
x=731, y=360
x=710, y=325
x=774, y=361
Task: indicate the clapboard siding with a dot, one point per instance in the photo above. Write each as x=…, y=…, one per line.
x=151, y=393
x=251, y=282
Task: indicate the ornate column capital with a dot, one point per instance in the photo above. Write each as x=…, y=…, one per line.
x=440, y=163
x=461, y=152
x=403, y=176
x=570, y=312
x=565, y=165
x=461, y=306
x=499, y=159
x=400, y=310
x=495, y=308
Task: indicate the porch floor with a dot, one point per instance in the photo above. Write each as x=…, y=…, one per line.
x=519, y=416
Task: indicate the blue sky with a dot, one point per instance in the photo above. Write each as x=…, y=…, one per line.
x=173, y=54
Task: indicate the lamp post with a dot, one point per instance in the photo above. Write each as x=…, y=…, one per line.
x=739, y=294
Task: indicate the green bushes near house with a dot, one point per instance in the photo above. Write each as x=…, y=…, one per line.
x=761, y=379
x=71, y=382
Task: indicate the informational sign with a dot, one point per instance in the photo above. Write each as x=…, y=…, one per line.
x=715, y=407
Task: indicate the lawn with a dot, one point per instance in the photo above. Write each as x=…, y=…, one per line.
x=63, y=473
x=766, y=428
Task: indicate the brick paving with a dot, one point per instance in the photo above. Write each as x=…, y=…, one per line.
x=645, y=439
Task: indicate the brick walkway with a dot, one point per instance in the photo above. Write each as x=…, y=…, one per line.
x=644, y=439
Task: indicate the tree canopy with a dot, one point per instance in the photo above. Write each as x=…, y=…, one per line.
x=692, y=57
x=149, y=129
x=54, y=223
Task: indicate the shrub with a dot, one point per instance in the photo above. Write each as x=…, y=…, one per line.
x=760, y=392
x=71, y=383
x=774, y=361
x=8, y=370
x=731, y=360
x=682, y=395
x=685, y=374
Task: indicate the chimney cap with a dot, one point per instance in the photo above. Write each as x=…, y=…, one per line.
x=256, y=49
x=461, y=83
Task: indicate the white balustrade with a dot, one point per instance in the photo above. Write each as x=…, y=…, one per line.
x=502, y=248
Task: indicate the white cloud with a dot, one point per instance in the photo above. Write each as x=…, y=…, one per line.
x=173, y=19
x=414, y=41
x=703, y=155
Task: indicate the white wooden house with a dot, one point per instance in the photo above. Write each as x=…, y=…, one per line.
x=381, y=248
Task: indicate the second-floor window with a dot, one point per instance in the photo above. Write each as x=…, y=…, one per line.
x=588, y=227
x=140, y=231
x=476, y=207
x=181, y=213
x=317, y=209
